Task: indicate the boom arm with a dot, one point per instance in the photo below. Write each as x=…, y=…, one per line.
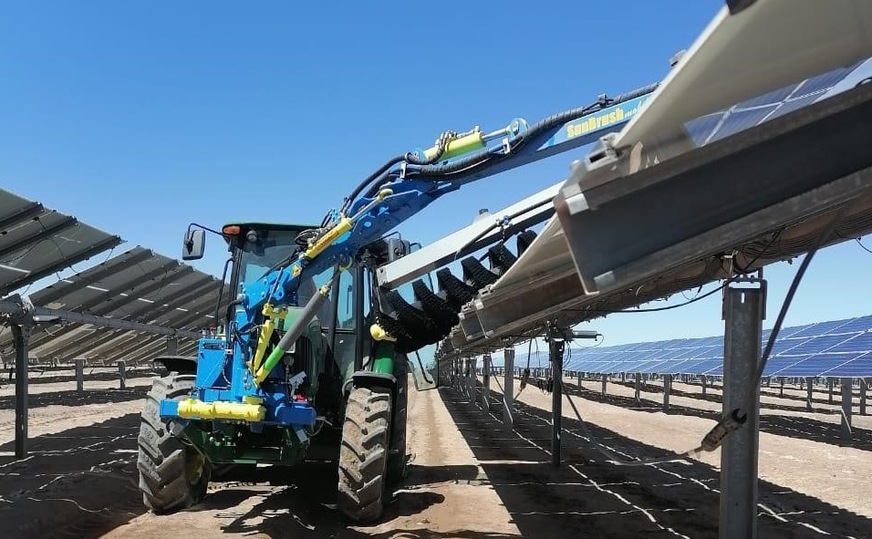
x=408, y=186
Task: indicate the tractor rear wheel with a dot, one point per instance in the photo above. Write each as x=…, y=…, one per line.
x=397, y=454
x=363, y=454
x=172, y=474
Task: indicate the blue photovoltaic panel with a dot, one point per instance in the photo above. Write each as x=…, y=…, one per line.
x=834, y=348
x=816, y=365
x=817, y=345
x=823, y=328
x=860, y=343
x=856, y=368
x=857, y=324
x=787, y=345
x=753, y=112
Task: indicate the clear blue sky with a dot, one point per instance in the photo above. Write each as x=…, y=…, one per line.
x=139, y=117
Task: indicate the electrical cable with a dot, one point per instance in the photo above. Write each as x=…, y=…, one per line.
x=734, y=420
x=658, y=309
x=860, y=243
x=821, y=240
x=613, y=457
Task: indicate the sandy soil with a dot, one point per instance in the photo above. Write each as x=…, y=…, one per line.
x=816, y=468
x=443, y=496
x=469, y=478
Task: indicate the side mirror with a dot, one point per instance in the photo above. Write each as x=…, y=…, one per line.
x=194, y=244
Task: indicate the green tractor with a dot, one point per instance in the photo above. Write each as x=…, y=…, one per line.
x=338, y=394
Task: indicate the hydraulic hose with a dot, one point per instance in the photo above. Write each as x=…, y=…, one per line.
x=371, y=178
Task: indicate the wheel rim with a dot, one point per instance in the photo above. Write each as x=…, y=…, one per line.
x=194, y=468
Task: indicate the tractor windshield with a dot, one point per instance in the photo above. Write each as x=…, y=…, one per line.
x=271, y=247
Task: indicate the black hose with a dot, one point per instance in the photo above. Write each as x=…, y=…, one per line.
x=371, y=178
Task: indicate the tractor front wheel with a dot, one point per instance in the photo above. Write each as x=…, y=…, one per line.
x=363, y=455
x=172, y=474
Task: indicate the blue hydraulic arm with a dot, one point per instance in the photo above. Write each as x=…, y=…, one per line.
x=406, y=186
x=402, y=187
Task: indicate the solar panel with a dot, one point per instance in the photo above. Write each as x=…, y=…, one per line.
x=863, y=323
x=817, y=345
x=823, y=328
x=817, y=365
x=753, y=112
x=831, y=348
x=859, y=343
x=856, y=368
x=787, y=345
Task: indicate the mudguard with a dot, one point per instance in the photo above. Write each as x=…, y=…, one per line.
x=179, y=364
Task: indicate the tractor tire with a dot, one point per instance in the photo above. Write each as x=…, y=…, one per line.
x=363, y=454
x=172, y=474
x=397, y=453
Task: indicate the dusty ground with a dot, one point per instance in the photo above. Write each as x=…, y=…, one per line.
x=469, y=478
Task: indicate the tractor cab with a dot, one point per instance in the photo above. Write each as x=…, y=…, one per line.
x=256, y=248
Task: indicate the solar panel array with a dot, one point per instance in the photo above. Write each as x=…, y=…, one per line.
x=838, y=348
x=138, y=285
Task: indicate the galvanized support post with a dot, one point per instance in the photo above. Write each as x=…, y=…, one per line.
x=704, y=384
x=863, y=386
x=809, y=393
x=172, y=346
x=458, y=375
x=555, y=350
x=830, y=383
x=508, y=388
x=667, y=390
x=122, y=375
x=743, y=312
x=21, y=339
x=485, y=382
x=623, y=377
x=638, y=387
x=473, y=364
x=847, y=406
x=781, y=387
x=80, y=374
x=579, y=380
x=605, y=384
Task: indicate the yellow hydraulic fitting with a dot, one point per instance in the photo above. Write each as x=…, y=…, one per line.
x=379, y=334
x=193, y=408
x=458, y=146
x=340, y=228
x=271, y=315
x=343, y=226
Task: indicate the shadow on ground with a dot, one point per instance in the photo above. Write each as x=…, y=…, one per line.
x=78, y=398
x=588, y=497
x=57, y=376
x=75, y=484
